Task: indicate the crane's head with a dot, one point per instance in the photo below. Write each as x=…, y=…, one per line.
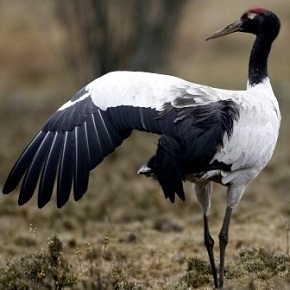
x=256, y=21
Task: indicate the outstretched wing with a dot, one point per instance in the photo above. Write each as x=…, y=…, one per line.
x=72, y=142
x=93, y=123
x=86, y=129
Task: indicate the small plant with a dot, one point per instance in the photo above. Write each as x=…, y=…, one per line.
x=197, y=274
x=78, y=253
x=43, y=270
x=120, y=281
x=33, y=229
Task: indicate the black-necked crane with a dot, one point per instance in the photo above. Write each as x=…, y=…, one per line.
x=207, y=134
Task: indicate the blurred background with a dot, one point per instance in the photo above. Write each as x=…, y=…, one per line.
x=50, y=49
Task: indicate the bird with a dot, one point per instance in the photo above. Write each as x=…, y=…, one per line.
x=206, y=134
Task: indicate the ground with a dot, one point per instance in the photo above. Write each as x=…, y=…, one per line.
x=123, y=234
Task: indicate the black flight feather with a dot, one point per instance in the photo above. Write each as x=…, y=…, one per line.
x=22, y=163
x=66, y=168
x=49, y=171
x=34, y=169
x=81, y=170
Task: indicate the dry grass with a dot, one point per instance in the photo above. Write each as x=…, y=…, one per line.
x=42, y=270
x=123, y=234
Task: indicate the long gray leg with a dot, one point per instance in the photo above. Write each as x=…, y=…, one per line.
x=203, y=194
x=235, y=192
x=223, y=238
x=209, y=243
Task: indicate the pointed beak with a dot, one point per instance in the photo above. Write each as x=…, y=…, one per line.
x=233, y=27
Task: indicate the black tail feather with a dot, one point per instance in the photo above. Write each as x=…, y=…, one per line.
x=169, y=166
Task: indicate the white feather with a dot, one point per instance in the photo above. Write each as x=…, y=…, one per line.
x=138, y=89
x=70, y=103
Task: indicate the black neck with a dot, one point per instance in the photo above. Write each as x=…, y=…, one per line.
x=258, y=60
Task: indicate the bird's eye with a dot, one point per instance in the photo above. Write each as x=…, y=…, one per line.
x=251, y=15
x=248, y=16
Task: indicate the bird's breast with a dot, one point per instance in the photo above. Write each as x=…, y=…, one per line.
x=253, y=140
